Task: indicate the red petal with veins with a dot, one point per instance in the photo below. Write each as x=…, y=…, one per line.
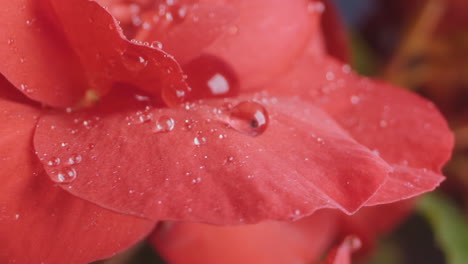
x=262, y=41
x=405, y=130
x=183, y=39
x=342, y=253
x=54, y=51
x=270, y=35
x=10, y=93
x=205, y=171
x=406, y=182
x=41, y=223
x=303, y=241
x=36, y=57
x=107, y=56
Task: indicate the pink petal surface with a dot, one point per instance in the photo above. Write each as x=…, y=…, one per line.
x=55, y=51
x=342, y=253
x=270, y=35
x=182, y=39
x=259, y=39
x=108, y=57
x=36, y=57
x=405, y=130
x=303, y=241
x=203, y=170
x=41, y=223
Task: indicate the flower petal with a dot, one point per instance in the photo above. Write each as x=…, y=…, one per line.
x=342, y=253
x=35, y=57
x=86, y=47
x=370, y=222
x=189, y=164
x=213, y=21
x=406, y=182
x=274, y=33
x=303, y=241
x=270, y=35
x=404, y=129
x=108, y=57
x=41, y=223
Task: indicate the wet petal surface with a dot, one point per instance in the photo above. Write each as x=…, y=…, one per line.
x=39, y=221
x=209, y=162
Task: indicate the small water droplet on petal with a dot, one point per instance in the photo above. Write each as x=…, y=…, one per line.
x=199, y=141
x=134, y=62
x=64, y=175
x=164, y=124
x=75, y=159
x=156, y=44
x=53, y=162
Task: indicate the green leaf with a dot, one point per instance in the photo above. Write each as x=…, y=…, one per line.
x=449, y=226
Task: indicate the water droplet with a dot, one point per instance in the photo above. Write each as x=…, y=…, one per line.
x=65, y=175
x=346, y=68
x=87, y=124
x=156, y=44
x=229, y=160
x=144, y=117
x=199, y=141
x=316, y=7
x=91, y=146
x=207, y=77
x=355, y=99
x=197, y=180
x=164, y=124
x=181, y=13
x=175, y=96
x=134, y=62
x=383, y=123
x=53, y=162
x=188, y=124
x=75, y=159
x=250, y=118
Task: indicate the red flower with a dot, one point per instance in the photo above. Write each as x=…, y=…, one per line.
x=281, y=129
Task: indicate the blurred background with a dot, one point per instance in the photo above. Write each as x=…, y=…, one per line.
x=421, y=45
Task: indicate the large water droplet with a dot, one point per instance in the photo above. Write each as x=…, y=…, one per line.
x=64, y=175
x=250, y=118
x=208, y=77
x=164, y=124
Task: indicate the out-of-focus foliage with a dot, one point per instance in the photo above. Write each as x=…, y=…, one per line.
x=449, y=227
